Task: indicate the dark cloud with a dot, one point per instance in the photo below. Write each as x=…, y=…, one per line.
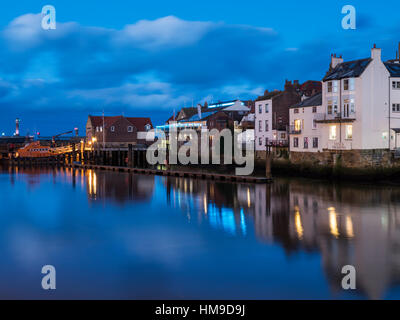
x=151, y=67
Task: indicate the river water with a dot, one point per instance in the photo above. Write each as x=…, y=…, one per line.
x=124, y=236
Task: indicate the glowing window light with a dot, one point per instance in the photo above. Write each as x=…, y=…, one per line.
x=299, y=226
x=333, y=222
x=349, y=227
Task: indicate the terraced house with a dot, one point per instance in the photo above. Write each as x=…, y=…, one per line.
x=359, y=108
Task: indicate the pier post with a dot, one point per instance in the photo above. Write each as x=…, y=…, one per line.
x=268, y=158
x=130, y=155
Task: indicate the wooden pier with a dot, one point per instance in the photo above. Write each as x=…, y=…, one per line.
x=127, y=160
x=172, y=173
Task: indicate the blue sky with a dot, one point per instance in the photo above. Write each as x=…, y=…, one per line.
x=147, y=58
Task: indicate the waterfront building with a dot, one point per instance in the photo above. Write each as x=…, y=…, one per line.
x=360, y=108
x=117, y=130
x=272, y=113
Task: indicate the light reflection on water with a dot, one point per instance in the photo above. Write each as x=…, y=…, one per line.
x=118, y=235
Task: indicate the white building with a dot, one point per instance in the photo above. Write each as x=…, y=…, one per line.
x=303, y=126
x=360, y=108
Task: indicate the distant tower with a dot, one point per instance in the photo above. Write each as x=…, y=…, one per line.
x=17, y=127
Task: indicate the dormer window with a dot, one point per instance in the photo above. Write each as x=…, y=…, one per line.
x=130, y=129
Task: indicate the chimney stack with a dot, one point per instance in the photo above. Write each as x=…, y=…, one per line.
x=376, y=53
x=335, y=60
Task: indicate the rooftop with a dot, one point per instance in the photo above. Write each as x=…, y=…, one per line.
x=350, y=69
x=313, y=101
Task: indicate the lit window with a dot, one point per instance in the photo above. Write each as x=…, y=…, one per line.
x=332, y=133
x=297, y=125
x=349, y=132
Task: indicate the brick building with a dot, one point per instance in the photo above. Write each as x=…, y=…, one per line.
x=117, y=129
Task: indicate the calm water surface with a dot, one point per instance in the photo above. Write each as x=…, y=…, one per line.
x=118, y=235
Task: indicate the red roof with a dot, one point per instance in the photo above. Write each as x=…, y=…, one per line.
x=138, y=123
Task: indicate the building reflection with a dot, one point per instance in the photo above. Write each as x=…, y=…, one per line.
x=344, y=224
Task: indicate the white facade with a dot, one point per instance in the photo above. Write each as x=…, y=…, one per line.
x=303, y=128
x=263, y=126
x=361, y=111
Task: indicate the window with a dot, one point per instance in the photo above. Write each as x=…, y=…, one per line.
x=260, y=141
x=266, y=125
x=396, y=107
x=396, y=84
x=297, y=125
x=346, y=84
x=335, y=107
x=351, y=84
x=296, y=110
x=314, y=109
x=305, y=143
x=283, y=136
x=130, y=129
x=260, y=108
x=332, y=133
x=315, y=142
x=296, y=142
x=266, y=108
x=330, y=86
x=335, y=86
x=147, y=127
x=329, y=111
x=112, y=129
x=349, y=132
x=314, y=124
x=259, y=125
x=352, y=106
x=97, y=129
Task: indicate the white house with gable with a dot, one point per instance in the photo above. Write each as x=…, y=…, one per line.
x=360, y=107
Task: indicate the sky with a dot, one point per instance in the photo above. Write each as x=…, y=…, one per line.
x=150, y=58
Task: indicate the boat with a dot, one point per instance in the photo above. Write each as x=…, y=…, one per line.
x=36, y=150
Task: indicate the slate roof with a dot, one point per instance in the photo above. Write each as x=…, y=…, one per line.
x=313, y=101
x=204, y=115
x=393, y=68
x=350, y=69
